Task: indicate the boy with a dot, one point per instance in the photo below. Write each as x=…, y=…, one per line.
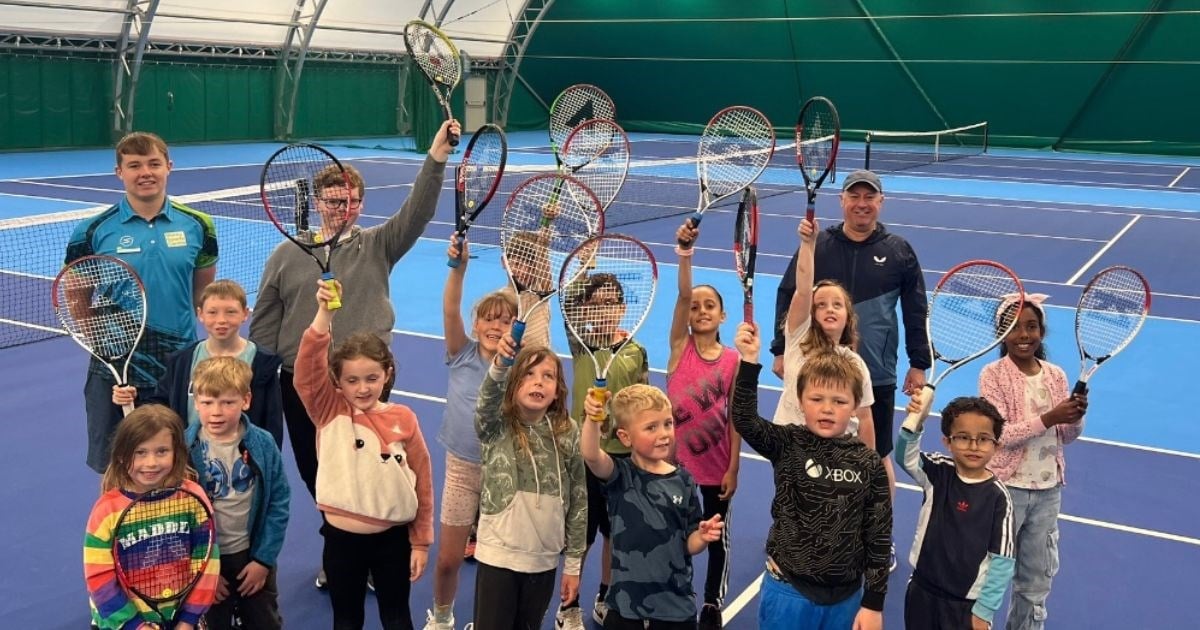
x=655, y=513
x=832, y=517
x=962, y=554
x=242, y=473
x=172, y=247
x=222, y=311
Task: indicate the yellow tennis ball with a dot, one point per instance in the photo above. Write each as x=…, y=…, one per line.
x=167, y=592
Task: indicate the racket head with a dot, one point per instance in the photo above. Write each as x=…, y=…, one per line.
x=308, y=195
x=576, y=104
x=162, y=543
x=1112, y=308
x=547, y=217
x=478, y=175
x=735, y=147
x=973, y=308
x=597, y=151
x=434, y=53
x=745, y=247
x=606, y=288
x=101, y=302
x=818, y=135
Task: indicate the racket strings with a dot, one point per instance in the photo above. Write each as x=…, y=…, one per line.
x=967, y=314
x=606, y=289
x=735, y=147
x=746, y=234
x=434, y=54
x=163, y=544
x=547, y=217
x=482, y=167
x=575, y=105
x=1111, y=311
x=816, y=137
x=599, y=150
x=308, y=194
x=103, y=304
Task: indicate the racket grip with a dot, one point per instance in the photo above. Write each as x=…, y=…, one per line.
x=336, y=302
x=452, y=137
x=517, y=332
x=127, y=409
x=453, y=263
x=810, y=212
x=913, y=421
x=694, y=220
x=598, y=393
x=748, y=313
x=1080, y=389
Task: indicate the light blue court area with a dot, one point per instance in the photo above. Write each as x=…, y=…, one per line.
x=21, y=206
x=1138, y=398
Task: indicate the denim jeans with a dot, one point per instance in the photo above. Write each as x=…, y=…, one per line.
x=1035, y=521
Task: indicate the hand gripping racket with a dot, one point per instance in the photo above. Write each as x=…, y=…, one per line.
x=477, y=178
x=734, y=149
x=101, y=302
x=818, y=132
x=745, y=248
x=576, y=104
x=606, y=287
x=310, y=199
x=1112, y=309
x=162, y=544
x=974, y=307
x=439, y=61
x=597, y=153
x=547, y=217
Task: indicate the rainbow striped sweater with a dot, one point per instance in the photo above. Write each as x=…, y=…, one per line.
x=114, y=607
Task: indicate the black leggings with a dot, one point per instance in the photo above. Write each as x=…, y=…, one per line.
x=349, y=557
x=510, y=600
x=716, y=580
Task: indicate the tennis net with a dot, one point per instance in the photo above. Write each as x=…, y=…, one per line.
x=889, y=151
x=35, y=247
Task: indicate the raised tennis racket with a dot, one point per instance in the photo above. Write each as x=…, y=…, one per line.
x=974, y=307
x=308, y=196
x=1112, y=309
x=439, y=61
x=162, y=544
x=745, y=248
x=576, y=104
x=818, y=132
x=597, y=153
x=101, y=302
x=547, y=217
x=606, y=287
x=734, y=149
x=477, y=178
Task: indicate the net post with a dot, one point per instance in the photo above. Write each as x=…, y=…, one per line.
x=867, y=141
x=985, y=136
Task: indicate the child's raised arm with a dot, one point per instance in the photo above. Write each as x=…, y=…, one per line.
x=683, y=303
x=801, y=306
x=599, y=462
x=321, y=400
x=763, y=436
x=453, y=327
x=489, y=425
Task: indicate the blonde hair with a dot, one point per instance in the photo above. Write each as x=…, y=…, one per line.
x=221, y=375
x=816, y=339
x=224, y=289
x=831, y=368
x=635, y=399
x=560, y=419
x=140, y=143
x=139, y=427
x=331, y=176
x=500, y=301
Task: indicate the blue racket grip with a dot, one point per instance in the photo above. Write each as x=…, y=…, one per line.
x=453, y=263
x=694, y=221
x=518, y=331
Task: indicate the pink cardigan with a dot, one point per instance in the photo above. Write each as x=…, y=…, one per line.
x=1003, y=384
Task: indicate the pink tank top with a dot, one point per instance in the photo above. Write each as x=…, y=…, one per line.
x=699, y=391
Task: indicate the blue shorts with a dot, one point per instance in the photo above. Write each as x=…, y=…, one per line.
x=782, y=607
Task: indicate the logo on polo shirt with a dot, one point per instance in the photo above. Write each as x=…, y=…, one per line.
x=176, y=239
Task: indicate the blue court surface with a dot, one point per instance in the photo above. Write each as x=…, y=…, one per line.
x=1130, y=541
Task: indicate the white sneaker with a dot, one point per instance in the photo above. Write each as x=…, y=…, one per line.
x=599, y=610
x=431, y=624
x=569, y=618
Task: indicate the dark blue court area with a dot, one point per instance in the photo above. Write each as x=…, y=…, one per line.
x=1130, y=528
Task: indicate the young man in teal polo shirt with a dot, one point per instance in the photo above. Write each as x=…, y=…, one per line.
x=173, y=248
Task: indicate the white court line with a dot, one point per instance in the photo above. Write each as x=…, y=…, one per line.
x=1178, y=177
x=30, y=182
x=1100, y=253
x=734, y=607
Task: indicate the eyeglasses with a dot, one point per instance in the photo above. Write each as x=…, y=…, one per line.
x=965, y=441
x=340, y=204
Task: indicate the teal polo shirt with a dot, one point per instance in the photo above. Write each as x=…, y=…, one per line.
x=165, y=252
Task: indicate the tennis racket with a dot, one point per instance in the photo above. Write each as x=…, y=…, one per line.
x=439, y=61
x=734, y=149
x=818, y=132
x=162, y=544
x=101, y=302
x=1112, y=309
x=745, y=248
x=477, y=178
x=597, y=154
x=547, y=217
x=606, y=287
x=973, y=308
x=576, y=104
x=299, y=179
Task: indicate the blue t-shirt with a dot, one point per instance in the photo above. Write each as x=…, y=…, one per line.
x=467, y=369
x=652, y=516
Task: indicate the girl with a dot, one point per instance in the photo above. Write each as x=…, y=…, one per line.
x=700, y=375
x=148, y=453
x=468, y=360
x=534, y=499
x=374, y=482
x=1040, y=417
x=828, y=304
